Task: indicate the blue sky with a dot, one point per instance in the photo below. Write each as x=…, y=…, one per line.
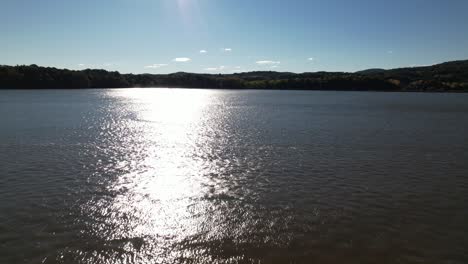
x=212, y=36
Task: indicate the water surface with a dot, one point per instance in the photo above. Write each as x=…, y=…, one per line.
x=217, y=176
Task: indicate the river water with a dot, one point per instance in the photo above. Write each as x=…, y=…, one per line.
x=219, y=176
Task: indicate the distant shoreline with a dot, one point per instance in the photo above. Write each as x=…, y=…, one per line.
x=449, y=77
x=237, y=89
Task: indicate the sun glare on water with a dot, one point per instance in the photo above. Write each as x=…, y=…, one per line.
x=171, y=129
x=166, y=180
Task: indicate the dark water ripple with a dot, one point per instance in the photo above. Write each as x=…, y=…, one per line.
x=203, y=176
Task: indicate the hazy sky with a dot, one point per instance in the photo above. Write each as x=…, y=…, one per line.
x=160, y=36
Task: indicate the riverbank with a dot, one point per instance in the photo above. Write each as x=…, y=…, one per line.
x=445, y=77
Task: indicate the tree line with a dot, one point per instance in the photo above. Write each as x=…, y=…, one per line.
x=450, y=76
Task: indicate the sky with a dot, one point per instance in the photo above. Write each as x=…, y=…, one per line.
x=226, y=36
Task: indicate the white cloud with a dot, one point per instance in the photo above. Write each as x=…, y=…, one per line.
x=220, y=68
x=155, y=66
x=182, y=59
x=237, y=67
x=274, y=66
x=267, y=62
x=81, y=65
x=390, y=52
x=203, y=51
x=227, y=49
x=310, y=59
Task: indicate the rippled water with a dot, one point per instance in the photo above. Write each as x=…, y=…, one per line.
x=214, y=176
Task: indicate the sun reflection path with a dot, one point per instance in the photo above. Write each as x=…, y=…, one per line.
x=177, y=183
x=162, y=197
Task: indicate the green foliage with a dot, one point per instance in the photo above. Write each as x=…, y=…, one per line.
x=450, y=76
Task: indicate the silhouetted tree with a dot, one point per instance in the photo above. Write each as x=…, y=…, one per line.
x=450, y=76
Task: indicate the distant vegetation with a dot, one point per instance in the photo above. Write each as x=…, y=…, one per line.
x=450, y=76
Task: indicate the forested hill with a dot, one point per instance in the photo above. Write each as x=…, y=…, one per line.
x=450, y=76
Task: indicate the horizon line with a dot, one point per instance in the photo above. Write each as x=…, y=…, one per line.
x=233, y=73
